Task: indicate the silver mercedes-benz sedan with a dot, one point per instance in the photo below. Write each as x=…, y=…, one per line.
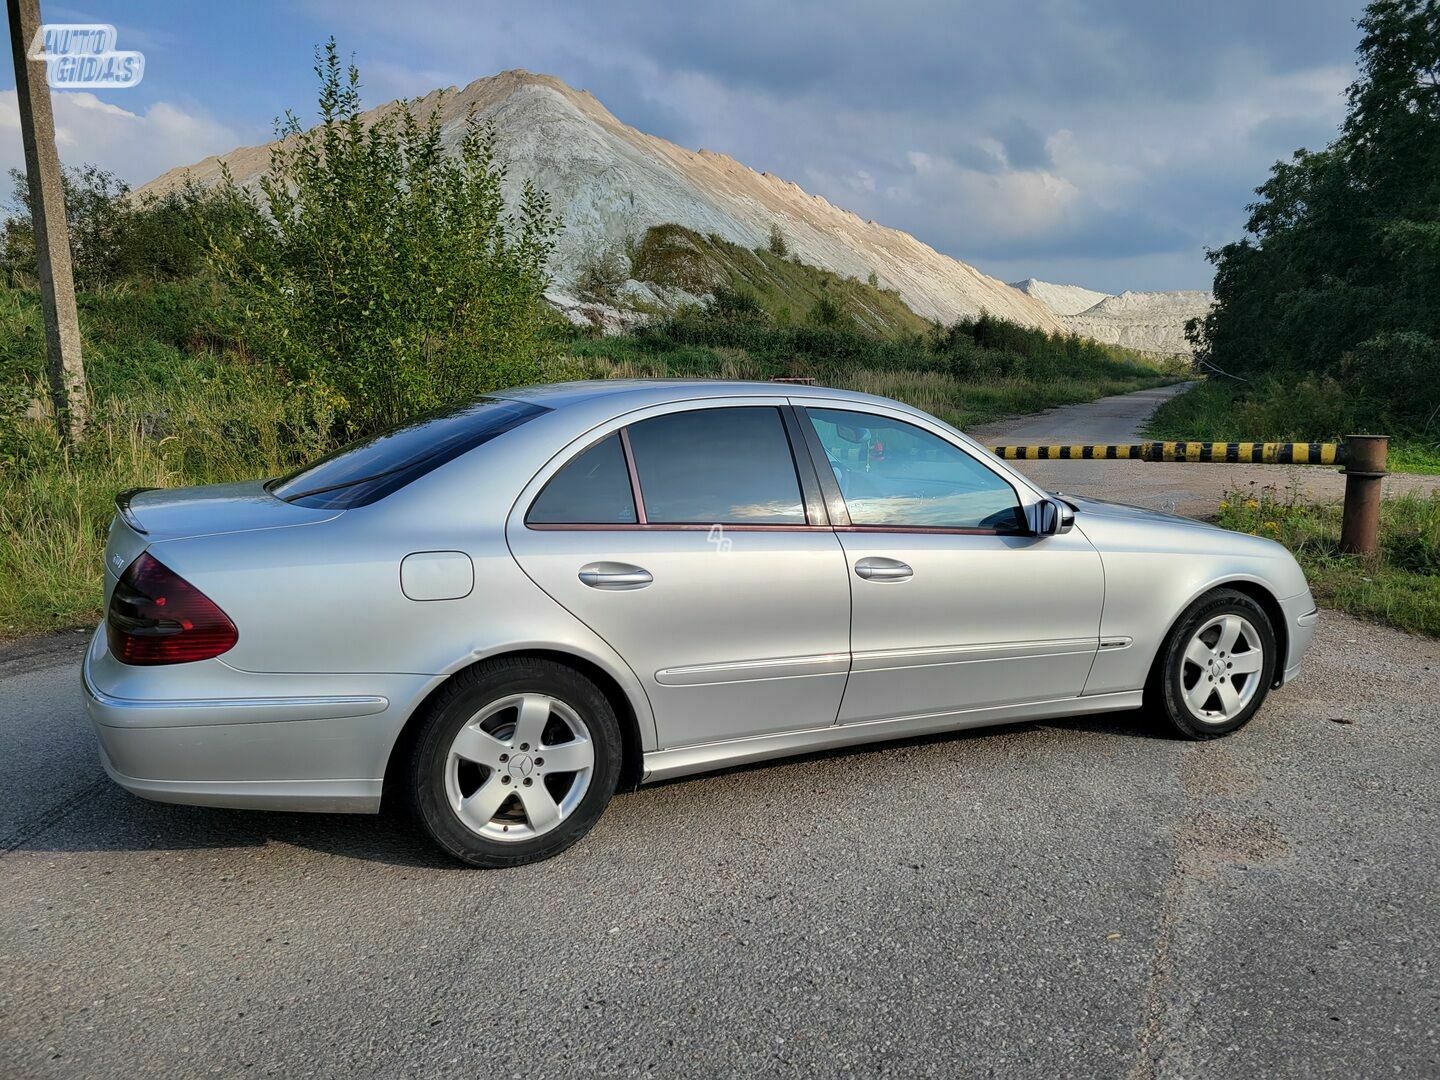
x=502, y=613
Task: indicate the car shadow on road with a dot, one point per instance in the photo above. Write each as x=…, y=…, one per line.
x=100, y=817
x=104, y=818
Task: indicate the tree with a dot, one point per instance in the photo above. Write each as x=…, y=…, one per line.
x=1337, y=273
x=388, y=274
x=779, y=247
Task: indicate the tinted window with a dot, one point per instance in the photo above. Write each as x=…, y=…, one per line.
x=894, y=473
x=372, y=468
x=717, y=466
x=592, y=489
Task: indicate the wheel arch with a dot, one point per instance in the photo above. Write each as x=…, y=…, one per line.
x=1256, y=590
x=632, y=748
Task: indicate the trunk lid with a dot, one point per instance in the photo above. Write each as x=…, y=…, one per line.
x=177, y=513
x=150, y=516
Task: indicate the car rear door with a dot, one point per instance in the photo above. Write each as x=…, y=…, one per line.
x=956, y=605
x=692, y=538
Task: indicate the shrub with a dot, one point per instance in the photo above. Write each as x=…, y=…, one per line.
x=115, y=236
x=779, y=247
x=601, y=271
x=388, y=273
x=728, y=302
x=826, y=311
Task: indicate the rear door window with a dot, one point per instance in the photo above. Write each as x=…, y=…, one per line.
x=725, y=466
x=593, y=488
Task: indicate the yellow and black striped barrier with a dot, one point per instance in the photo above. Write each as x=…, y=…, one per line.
x=1257, y=453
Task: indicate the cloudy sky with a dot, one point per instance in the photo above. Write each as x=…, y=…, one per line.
x=1083, y=141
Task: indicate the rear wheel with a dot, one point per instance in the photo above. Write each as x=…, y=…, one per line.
x=515, y=762
x=1216, y=666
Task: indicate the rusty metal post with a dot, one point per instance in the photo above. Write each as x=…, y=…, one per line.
x=1365, y=459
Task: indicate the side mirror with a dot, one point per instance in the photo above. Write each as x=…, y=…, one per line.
x=1054, y=517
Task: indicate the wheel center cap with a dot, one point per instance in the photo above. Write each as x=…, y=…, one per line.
x=1217, y=668
x=520, y=766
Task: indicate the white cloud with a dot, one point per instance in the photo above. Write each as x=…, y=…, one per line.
x=135, y=146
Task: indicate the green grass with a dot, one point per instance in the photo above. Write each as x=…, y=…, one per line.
x=1311, y=410
x=784, y=289
x=1400, y=585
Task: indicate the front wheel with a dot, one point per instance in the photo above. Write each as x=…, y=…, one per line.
x=516, y=761
x=1216, y=666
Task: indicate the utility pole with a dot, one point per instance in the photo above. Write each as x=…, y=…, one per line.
x=52, y=232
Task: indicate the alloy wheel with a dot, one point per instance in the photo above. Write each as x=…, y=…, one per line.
x=1221, y=669
x=519, y=767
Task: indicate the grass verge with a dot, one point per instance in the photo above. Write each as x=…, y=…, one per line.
x=1399, y=586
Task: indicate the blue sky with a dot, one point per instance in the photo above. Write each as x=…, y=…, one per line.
x=1098, y=143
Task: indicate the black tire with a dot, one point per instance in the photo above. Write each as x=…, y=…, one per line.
x=466, y=696
x=1168, y=683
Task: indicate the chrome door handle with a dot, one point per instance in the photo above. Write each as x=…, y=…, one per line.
x=878, y=569
x=615, y=576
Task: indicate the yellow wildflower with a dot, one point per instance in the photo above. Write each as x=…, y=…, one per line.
x=1251, y=504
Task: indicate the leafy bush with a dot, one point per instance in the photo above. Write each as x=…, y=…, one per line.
x=727, y=303
x=115, y=236
x=601, y=272
x=826, y=311
x=388, y=275
x=778, y=246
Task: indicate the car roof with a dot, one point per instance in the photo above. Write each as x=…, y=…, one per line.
x=641, y=392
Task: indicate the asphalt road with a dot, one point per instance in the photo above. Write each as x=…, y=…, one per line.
x=1063, y=898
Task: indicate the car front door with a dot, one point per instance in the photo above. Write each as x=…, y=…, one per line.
x=693, y=540
x=957, y=605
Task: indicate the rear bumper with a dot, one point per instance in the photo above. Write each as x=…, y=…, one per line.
x=313, y=796
x=221, y=737
x=1301, y=617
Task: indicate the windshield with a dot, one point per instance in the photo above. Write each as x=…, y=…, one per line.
x=368, y=470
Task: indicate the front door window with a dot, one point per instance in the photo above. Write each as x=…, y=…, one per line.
x=896, y=474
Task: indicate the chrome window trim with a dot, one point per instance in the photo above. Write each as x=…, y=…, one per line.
x=620, y=423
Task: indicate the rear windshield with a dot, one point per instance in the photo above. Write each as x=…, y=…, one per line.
x=372, y=468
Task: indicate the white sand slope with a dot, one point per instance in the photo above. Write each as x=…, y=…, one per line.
x=1061, y=299
x=1153, y=322
x=608, y=181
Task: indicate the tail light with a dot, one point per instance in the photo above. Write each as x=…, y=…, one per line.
x=157, y=617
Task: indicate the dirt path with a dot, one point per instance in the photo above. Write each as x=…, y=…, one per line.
x=1118, y=418
x=1186, y=488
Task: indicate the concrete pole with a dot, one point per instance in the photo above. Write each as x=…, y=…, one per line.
x=52, y=233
